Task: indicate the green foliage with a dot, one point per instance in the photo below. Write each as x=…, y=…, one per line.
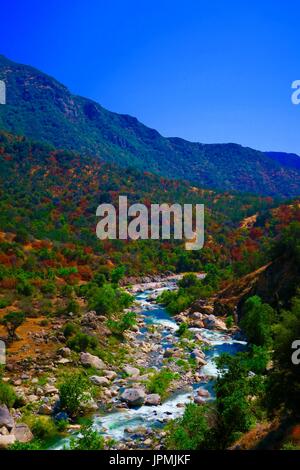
x=74, y=393
x=83, y=342
x=237, y=397
x=69, y=329
x=42, y=427
x=160, y=382
x=127, y=321
x=4, y=303
x=284, y=380
x=89, y=440
x=117, y=274
x=12, y=321
x=257, y=321
x=192, y=431
x=107, y=300
x=188, y=280
x=7, y=394
x=36, y=444
x=183, y=328
x=229, y=321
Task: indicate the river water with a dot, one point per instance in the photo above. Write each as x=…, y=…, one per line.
x=115, y=423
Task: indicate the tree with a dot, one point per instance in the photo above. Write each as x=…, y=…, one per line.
x=192, y=431
x=117, y=274
x=257, y=321
x=12, y=321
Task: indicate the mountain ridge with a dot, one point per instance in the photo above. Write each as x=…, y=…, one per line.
x=41, y=108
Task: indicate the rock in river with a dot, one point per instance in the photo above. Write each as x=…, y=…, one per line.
x=153, y=399
x=133, y=396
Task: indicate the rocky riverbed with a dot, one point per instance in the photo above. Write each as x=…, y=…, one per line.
x=134, y=417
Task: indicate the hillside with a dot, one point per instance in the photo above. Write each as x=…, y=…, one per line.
x=41, y=108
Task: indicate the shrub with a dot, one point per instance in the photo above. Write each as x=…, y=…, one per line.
x=42, y=427
x=69, y=329
x=4, y=303
x=74, y=393
x=72, y=306
x=229, y=321
x=160, y=382
x=127, y=321
x=82, y=342
x=7, y=395
x=191, y=432
x=88, y=440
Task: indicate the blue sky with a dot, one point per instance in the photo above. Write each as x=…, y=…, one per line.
x=206, y=71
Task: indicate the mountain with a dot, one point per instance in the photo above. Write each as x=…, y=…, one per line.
x=41, y=108
x=290, y=160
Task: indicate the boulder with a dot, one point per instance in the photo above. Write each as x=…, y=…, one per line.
x=131, y=371
x=199, y=400
x=6, y=441
x=88, y=360
x=65, y=352
x=133, y=396
x=203, y=393
x=45, y=409
x=99, y=381
x=50, y=390
x=153, y=399
x=110, y=374
x=5, y=418
x=22, y=433
x=211, y=323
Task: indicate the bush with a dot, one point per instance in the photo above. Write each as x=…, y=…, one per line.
x=25, y=288
x=229, y=321
x=74, y=393
x=160, y=382
x=127, y=321
x=82, y=342
x=72, y=306
x=188, y=280
x=69, y=329
x=4, y=303
x=42, y=427
x=88, y=440
x=7, y=395
x=33, y=445
x=191, y=432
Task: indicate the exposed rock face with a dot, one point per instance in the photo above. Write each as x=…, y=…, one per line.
x=275, y=283
x=88, y=360
x=133, y=396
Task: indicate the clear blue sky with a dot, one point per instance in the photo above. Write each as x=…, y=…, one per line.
x=208, y=71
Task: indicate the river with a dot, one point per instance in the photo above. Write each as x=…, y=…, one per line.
x=115, y=424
